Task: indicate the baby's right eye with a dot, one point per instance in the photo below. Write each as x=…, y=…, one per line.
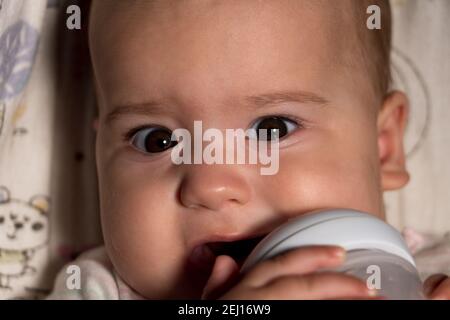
x=153, y=139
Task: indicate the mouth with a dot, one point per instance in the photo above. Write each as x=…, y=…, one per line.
x=204, y=254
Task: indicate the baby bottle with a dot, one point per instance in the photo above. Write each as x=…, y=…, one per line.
x=376, y=252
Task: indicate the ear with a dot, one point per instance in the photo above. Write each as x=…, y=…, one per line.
x=42, y=203
x=4, y=194
x=391, y=126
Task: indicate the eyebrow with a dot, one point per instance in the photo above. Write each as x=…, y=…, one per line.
x=286, y=96
x=146, y=109
x=261, y=100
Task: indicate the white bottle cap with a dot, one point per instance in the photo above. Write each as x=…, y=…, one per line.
x=347, y=228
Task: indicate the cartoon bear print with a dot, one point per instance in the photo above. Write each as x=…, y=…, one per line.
x=23, y=230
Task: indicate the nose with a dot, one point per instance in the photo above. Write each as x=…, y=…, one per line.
x=213, y=187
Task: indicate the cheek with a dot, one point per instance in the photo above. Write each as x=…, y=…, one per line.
x=140, y=225
x=335, y=170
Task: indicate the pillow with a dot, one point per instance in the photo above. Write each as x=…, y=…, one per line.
x=421, y=68
x=48, y=203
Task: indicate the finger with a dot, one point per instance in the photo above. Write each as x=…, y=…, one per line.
x=442, y=291
x=432, y=282
x=297, y=261
x=224, y=272
x=322, y=285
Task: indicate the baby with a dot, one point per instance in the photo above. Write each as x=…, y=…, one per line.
x=312, y=71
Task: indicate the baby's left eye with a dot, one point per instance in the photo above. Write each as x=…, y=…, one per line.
x=272, y=125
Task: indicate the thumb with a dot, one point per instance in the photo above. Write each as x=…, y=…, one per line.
x=223, y=276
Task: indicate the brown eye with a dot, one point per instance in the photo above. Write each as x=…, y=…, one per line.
x=272, y=126
x=153, y=140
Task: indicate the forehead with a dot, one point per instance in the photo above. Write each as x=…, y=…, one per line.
x=208, y=48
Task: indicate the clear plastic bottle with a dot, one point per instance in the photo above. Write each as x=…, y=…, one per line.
x=394, y=277
x=376, y=252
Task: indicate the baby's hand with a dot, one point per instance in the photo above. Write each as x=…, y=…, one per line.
x=291, y=275
x=437, y=287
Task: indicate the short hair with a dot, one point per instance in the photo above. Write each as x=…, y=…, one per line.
x=376, y=43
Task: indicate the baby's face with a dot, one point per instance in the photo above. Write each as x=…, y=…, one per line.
x=170, y=63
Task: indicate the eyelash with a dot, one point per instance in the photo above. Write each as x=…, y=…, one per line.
x=301, y=123
x=128, y=136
